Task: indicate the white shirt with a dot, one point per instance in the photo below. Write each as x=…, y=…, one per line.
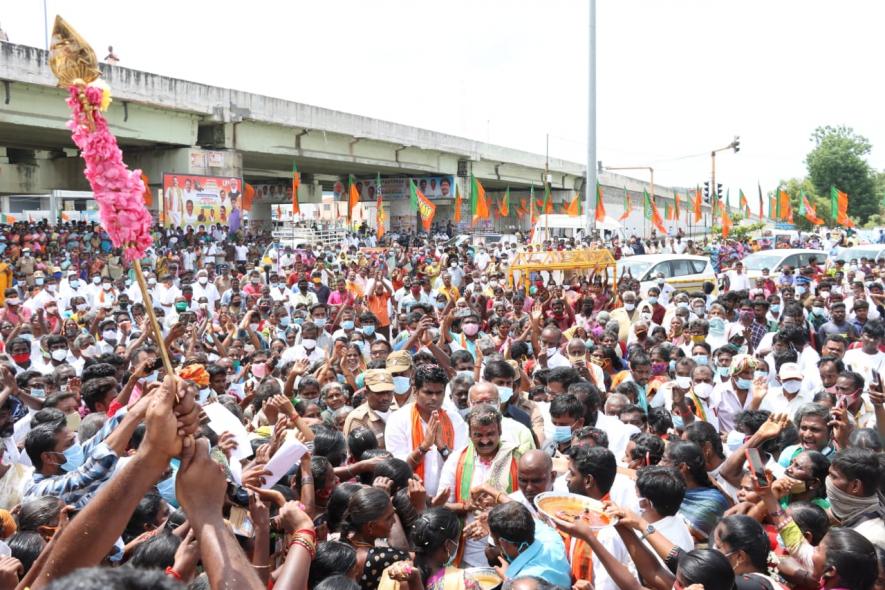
x=738, y=282
x=727, y=405
x=676, y=531
x=297, y=352
x=241, y=251
x=864, y=363
x=209, y=291
x=474, y=551
x=776, y=402
x=398, y=440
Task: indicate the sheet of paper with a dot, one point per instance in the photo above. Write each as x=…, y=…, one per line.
x=238, y=390
x=221, y=420
x=286, y=457
x=236, y=472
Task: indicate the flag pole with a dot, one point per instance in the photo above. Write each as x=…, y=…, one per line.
x=591, y=122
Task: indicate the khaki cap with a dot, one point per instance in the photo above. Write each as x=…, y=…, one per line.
x=379, y=380
x=399, y=361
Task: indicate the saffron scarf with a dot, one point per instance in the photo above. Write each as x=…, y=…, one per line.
x=503, y=474
x=448, y=434
x=582, y=556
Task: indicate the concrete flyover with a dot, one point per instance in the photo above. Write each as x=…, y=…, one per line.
x=167, y=125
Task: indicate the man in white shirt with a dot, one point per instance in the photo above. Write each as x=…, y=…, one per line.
x=661, y=491
x=165, y=293
x=203, y=288
x=737, y=278
x=790, y=396
x=512, y=432
x=441, y=433
x=867, y=359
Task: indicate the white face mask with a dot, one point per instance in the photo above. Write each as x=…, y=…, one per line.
x=629, y=306
x=683, y=381
x=59, y=354
x=703, y=390
x=308, y=343
x=792, y=386
x=203, y=280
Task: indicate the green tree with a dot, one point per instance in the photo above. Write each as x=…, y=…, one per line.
x=839, y=159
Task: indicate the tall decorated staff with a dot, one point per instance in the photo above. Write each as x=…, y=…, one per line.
x=118, y=191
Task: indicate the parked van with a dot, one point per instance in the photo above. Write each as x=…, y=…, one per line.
x=555, y=226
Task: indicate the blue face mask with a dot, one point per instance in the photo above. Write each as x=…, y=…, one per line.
x=562, y=434
x=166, y=487
x=401, y=385
x=775, y=308
x=673, y=366
x=760, y=374
x=320, y=322
x=723, y=371
x=717, y=325
x=298, y=321
x=743, y=383
x=734, y=441
x=678, y=423
x=347, y=325
x=504, y=394
x=74, y=458
x=285, y=321
x=701, y=359
x=369, y=330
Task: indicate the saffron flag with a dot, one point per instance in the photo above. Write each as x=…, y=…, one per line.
x=698, y=213
x=675, y=206
x=148, y=196
x=627, y=207
x=504, y=208
x=573, y=208
x=458, y=204
x=248, y=195
x=426, y=209
x=839, y=207
x=773, y=206
x=654, y=214
x=761, y=205
x=726, y=221
x=807, y=209
x=786, y=209
x=744, y=203
x=296, y=182
x=479, y=206
x=600, y=205
x=668, y=212
x=379, y=208
x=547, y=207
x=353, y=198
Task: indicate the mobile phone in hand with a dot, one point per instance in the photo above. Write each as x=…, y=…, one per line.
x=757, y=469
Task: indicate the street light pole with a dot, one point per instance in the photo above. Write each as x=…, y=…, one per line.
x=714, y=190
x=590, y=188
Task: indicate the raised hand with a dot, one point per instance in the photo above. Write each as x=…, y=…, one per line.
x=773, y=426
x=433, y=429
x=200, y=483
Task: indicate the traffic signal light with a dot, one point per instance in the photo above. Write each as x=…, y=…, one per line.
x=707, y=192
x=736, y=144
x=718, y=190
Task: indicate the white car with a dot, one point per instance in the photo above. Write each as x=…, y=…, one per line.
x=682, y=271
x=776, y=260
x=872, y=252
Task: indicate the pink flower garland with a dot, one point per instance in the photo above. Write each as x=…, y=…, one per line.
x=118, y=190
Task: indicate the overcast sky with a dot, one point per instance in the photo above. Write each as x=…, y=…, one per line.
x=675, y=79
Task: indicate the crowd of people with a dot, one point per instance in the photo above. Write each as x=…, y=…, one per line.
x=345, y=418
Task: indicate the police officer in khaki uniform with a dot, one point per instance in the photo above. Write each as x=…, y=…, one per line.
x=374, y=411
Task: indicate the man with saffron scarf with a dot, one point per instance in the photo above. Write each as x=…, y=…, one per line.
x=422, y=433
x=486, y=461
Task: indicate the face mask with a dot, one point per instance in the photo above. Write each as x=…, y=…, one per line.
x=181, y=306
x=723, y=371
x=661, y=282
x=74, y=283
x=369, y=330
x=440, y=305
x=792, y=386
x=347, y=325
x=678, y=423
x=653, y=300
x=800, y=290
x=470, y=329
x=106, y=286
x=683, y=381
x=562, y=434
x=775, y=308
x=717, y=325
x=818, y=311
x=504, y=394
x=308, y=343
x=320, y=322
x=96, y=280
x=59, y=354
x=551, y=351
x=760, y=375
x=14, y=301
x=734, y=441
x=703, y=390
x=203, y=280
x=699, y=311
x=682, y=305
x=401, y=385
x=285, y=321
x=701, y=359
x=38, y=392
x=259, y=370
x=109, y=335
x=166, y=488
x=74, y=458
x=152, y=282
x=39, y=281
x=81, y=307
x=659, y=368
x=629, y=306
x=253, y=327
x=21, y=359
x=91, y=350
x=742, y=383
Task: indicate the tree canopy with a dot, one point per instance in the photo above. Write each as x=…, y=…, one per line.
x=839, y=159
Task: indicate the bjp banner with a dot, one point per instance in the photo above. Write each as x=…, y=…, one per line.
x=194, y=201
